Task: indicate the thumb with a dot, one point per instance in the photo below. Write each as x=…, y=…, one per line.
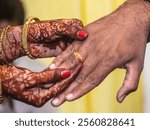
x=130, y=83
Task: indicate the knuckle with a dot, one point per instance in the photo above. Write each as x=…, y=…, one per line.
x=70, y=49
x=71, y=61
x=132, y=88
x=78, y=23
x=77, y=20
x=92, y=80
x=80, y=78
x=111, y=61
x=67, y=21
x=59, y=27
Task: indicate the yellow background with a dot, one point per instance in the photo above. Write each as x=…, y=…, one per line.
x=103, y=98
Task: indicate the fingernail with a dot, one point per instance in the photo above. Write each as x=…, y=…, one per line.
x=82, y=34
x=69, y=96
x=55, y=101
x=52, y=66
x=65, y=74
x=122, y=98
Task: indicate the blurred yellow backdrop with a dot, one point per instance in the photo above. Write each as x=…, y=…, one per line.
x=103, y=98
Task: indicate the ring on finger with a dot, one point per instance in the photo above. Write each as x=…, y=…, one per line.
x=78, y=56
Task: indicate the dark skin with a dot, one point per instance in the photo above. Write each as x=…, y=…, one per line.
x=115, y=41
x=45, y=39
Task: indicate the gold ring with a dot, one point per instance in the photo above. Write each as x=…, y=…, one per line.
x=78, y=56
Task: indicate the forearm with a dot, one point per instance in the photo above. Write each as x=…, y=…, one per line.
x=135, y=15
x=149, y=31
x=146, y=3
x=138, y=8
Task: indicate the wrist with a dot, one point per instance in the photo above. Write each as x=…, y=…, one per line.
x=139, y=9
x=13, y=43
x=134, y=16
x=143, y=14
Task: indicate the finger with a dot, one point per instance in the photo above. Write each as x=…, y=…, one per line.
x=60, y=98
x=65, y=54
x=130, y=83
x=71, y=61
x=72, y=32
x=38, y=50
x=45, y=77
x=91, y=81
x=88, y=66
x=75, y=72
x=76, y=31
x=73, y=22
x=74, y=60
x=46, y=31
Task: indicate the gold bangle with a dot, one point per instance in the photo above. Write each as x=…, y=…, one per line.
x=24, y=35
x=1, y=53
x=4, y=44
x=1, y=31
x=1, y=41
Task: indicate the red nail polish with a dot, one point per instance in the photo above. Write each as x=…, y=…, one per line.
x=82, y=34
x=65, y=74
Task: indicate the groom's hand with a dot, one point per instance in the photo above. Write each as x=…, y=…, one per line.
x=116, y=41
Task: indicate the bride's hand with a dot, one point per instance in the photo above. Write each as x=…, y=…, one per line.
x=34, y=88
x=44, y=38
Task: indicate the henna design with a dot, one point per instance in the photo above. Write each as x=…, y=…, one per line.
x=27, y=86
x=45, y=38
x=45, y=31
x=41, y=96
